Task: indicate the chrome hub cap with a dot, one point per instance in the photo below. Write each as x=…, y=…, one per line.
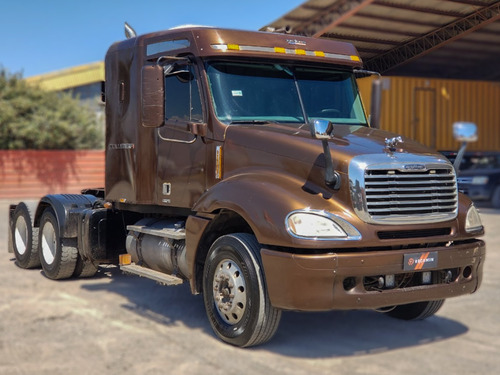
x=49, y=243
x=21, y=235
x=229, y=290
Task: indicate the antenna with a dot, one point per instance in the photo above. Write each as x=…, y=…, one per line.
x=129, y=31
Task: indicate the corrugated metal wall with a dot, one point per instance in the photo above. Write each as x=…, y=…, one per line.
x=33, y=174
x=425, y=109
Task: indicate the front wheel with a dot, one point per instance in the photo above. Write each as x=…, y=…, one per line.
x=416, y=311
x=235, y=294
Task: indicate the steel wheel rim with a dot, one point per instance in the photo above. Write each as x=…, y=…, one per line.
x=230, y=292
x=21, y=235
x=49, y=243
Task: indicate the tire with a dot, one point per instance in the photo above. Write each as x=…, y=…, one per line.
x=24, y=237
x=416, y=311
x=58, y=261
x=84, y=268
x=235, y=294
x=495, y=198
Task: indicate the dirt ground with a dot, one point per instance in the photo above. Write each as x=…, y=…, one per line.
x=118, y=324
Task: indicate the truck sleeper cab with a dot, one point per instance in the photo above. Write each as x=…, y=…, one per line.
x=243, y=163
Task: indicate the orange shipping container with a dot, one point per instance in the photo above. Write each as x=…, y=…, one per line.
x=425, y=109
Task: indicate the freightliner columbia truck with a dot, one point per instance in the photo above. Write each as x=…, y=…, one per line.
x=243, y=163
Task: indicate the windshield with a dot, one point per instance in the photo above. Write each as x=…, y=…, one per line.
x=260, y=92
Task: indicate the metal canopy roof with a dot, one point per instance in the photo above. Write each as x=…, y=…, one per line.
x=457, y=39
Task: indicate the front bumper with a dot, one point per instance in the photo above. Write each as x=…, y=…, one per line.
x=319, y=282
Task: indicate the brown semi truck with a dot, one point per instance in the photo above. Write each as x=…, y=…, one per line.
x=243, y=163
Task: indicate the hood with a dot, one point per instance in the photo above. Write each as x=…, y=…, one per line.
x=298, y=145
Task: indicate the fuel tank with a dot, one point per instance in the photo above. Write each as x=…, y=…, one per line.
x=150, y=249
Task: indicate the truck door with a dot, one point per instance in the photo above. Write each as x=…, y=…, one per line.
x=181, y=154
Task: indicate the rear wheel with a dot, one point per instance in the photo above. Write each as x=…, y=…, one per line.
x=235, y=294
x=58, y=261
x=84, y=268
x=24, y=237
x=416, y=311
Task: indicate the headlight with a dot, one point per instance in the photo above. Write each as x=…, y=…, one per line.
x=473, y=221
x=312, y=224
x=479, y=180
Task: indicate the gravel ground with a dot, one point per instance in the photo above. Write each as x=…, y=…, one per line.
x=119, y=324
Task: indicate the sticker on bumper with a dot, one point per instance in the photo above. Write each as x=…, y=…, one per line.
x=420, y=261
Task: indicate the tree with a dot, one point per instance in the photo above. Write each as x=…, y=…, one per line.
x=31, y=118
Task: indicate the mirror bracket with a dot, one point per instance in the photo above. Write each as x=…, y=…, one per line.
x=323, y=130
x=198, y=128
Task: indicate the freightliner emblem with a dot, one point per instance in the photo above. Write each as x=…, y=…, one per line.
x=414, y=167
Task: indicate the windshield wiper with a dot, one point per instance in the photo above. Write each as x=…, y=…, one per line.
x=260, y=122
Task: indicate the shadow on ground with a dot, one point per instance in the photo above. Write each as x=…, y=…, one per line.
x=302, y=335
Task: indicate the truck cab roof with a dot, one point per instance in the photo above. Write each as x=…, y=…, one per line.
x=206, y=41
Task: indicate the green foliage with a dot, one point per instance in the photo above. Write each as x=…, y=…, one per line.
x=31, y=118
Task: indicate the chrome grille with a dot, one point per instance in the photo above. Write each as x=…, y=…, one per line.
x=392, y=192
x=404, y=191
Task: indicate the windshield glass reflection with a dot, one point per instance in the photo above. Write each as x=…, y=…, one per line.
x=261, y=93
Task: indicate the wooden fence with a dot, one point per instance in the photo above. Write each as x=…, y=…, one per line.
x=32, y=174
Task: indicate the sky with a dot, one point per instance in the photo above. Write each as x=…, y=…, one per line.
x=42, y=36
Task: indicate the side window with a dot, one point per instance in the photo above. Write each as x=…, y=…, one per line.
x=182, y=97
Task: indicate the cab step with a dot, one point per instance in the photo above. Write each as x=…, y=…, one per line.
x=157, y=276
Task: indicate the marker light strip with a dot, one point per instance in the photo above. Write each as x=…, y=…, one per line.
x=281, y=50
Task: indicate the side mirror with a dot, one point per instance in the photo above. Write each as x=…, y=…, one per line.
x=465, y=131
x=153, y=97
x=322, y=129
